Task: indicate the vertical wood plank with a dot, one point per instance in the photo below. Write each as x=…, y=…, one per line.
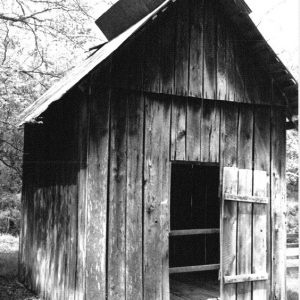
x=152, y=63
x=82, y=205
x=229, y=126
x=230, y=63
x=156, y=197
x=210, y=52
x=261, y=218
x=239, y=49
x=210, y=132
x=182, y=48
x=97, y=194
x=168, y=35
x=134, y=202
x=193, y=130
x=278, y=139
x=229, y=232
x=221, y=56
x=245, y=137
x=244, y=239
x=117, y=198
x=178, y=128
x=196, y=48
x=259, y=263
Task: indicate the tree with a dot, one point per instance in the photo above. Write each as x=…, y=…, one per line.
x=39, y=41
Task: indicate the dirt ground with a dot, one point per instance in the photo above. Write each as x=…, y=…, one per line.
x=10, y=288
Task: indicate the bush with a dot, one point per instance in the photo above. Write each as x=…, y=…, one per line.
x=10, y=213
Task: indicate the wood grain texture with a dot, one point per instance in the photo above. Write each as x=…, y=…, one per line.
x=230, y=63
x=210, y=51
x=116, y=252
x=262, y=163
x=259, y=235
x=193, y=129
x=228, y=131
x=244, y=240
x=221, y=57
x=178, y=128
x=82, y=205
x=97, y=194
x=134, y=201
x=196, y=48
x=278, y=195
x=182, y=49
x=168, y=39
x=210, y=132
x=152, y=58
x=229, y=232
x=156, y=197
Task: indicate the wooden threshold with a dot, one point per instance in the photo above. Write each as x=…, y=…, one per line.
x=249, y=199
x=194, y=231
x=245, y=278
x=199, y=268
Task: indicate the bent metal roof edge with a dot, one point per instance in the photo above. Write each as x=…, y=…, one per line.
x=287, y=83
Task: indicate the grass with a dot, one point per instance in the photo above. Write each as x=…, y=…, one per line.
x=9, y=246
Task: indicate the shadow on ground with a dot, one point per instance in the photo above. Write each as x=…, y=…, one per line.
x=10, y=288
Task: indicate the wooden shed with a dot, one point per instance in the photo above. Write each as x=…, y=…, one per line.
x=156, y=168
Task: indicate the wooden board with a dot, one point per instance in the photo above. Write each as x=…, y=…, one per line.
x=228, y=132
x=116, y=252
x=210, y=132
x=259, y=238
x=262, y=143
x=278, y=196
x=156, y=198
x=97, y=194
x=193, y=129
x=244, y=241
x=182, y=48
x=221, y=57
x=178, y=128
x=168, y=36
x=196, y=48
x=228, y=233
x=134, y=200
x=152, y=58
x=210, y=52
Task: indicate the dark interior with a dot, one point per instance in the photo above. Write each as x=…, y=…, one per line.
x=194, y=205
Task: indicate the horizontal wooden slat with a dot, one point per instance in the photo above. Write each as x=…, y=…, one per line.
x=194, y=231
x=194, y=268
x=245, y=278
x=250, y=199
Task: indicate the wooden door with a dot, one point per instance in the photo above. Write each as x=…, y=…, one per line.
x=243, y=237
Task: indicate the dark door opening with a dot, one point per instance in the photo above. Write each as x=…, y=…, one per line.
x=195, y=232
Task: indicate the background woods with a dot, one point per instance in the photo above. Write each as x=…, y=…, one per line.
x=39, y=41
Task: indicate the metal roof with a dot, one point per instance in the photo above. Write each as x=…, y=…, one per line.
x=283, y=79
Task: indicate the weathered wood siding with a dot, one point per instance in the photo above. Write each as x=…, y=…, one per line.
x=109, y=219
x=192, y=49
x=97, y=170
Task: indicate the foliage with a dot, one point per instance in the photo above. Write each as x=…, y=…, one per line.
x=10, y=207
x=39, y=41
x=292, y=159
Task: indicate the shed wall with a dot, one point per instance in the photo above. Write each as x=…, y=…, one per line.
x=97, y=171
x=109, y=220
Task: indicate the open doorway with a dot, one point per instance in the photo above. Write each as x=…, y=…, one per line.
x=195, y=232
